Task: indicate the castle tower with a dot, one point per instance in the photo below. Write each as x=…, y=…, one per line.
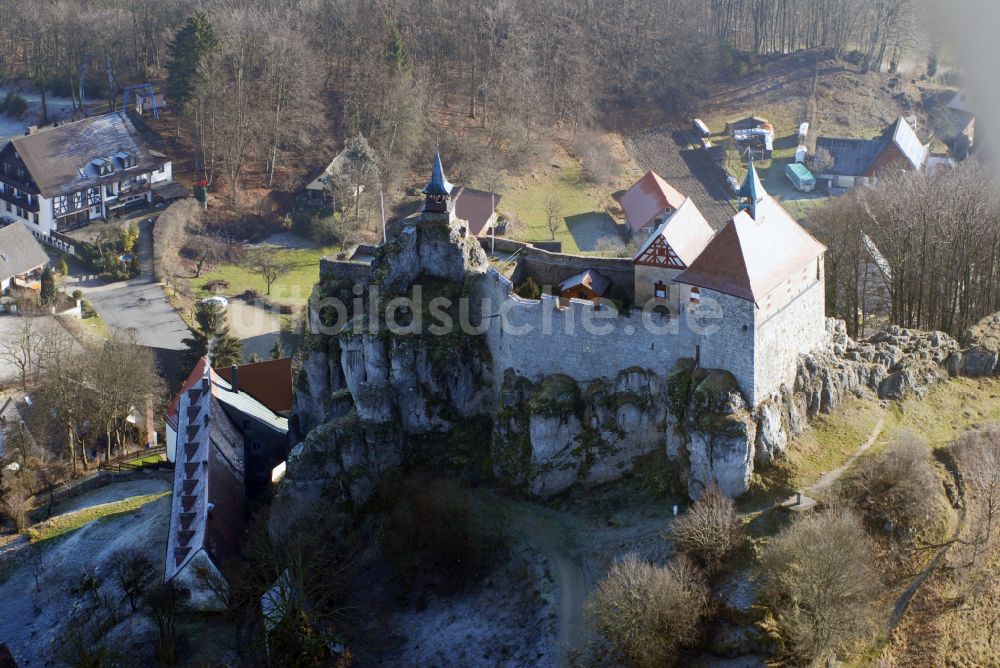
x=438, y=204
x=751, y=192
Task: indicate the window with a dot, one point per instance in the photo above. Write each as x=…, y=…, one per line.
x=34, y=218
x=695, y=296
x=817, y=269
x=256, y=446
x=660, y=290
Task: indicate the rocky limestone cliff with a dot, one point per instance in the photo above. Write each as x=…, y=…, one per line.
x=371, y=399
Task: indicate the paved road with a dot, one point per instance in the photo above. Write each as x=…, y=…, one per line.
x=138, y=304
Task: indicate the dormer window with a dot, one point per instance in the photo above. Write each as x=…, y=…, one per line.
x=127, y=159
x=102, y=166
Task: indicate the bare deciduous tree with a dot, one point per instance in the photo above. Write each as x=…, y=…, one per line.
x=553, y=214
x=646, y=611
x=265, y=262
x=710, y=531
x=820, y=582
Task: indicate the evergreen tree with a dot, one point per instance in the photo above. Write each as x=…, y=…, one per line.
x=396, y=54
x=278, y=351
x=212, y=328
x=48, y=286
x=189, y=47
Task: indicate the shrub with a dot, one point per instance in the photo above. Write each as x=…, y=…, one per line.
x=15, y=505
x=13, y=105
x=611, y=245
x=528, y=289
x=710, y=531
x=133, y=573
x=597, y=158
x=647, y=612
x=217, y=285
x=434, y=536
x=78, y=294
x=251, y=294
x=821, y=584
x=894, y=489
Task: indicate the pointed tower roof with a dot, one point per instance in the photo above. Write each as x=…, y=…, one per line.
x=751, y=192
x=439, y=184
x=750, y=257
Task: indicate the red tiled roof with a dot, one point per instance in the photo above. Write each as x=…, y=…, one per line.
x=269, y=382
x=748, y=258
x=648, y=197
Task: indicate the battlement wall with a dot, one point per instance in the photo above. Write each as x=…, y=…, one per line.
x=539, y=337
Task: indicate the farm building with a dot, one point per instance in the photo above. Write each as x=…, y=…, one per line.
x=844, y=163
x=800, y=177
x=648, y=202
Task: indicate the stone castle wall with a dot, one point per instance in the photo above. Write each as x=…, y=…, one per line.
x=797, y=328
x=557, y=340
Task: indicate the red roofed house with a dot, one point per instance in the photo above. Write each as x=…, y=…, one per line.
x=648, y=202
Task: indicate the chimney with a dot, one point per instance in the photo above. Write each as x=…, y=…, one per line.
x=32, y=129
x=234, y=377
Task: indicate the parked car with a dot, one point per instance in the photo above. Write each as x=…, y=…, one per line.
x=219, y=301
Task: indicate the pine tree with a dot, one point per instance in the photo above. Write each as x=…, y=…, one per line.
x=396, y=54
x=278, y=351
x=227, y=350
x=48, y=286
x=186, y=51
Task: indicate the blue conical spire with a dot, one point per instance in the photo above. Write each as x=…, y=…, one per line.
x=751, y=192
x=439, y=184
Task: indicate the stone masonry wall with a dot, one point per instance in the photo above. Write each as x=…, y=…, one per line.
x=797, y=328
x=558, y=342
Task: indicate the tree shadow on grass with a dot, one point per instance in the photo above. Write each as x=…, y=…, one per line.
x=589, y=228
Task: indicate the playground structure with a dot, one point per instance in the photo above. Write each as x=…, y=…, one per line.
x=141, y=92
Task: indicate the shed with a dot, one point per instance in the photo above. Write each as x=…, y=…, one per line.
x=803, y=132
x=800, y=177
x=801, y=153
x=586, y=285
x=700, y=128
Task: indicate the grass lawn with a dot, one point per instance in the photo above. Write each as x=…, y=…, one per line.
x=292, y=288
x=63, y=524
x=950, y=408
x=583, y=207
x=825, y=444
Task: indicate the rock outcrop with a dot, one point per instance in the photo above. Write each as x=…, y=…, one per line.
x=381, y=392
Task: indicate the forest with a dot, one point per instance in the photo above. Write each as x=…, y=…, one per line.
x=257, y=84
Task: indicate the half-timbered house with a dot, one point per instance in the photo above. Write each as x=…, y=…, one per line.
x=63, y=177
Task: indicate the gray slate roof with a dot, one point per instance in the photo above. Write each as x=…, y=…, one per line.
x=19, y=252
x=55, y=156
x=853, y=157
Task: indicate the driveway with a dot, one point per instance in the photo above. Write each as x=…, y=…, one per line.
x=138, y=304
